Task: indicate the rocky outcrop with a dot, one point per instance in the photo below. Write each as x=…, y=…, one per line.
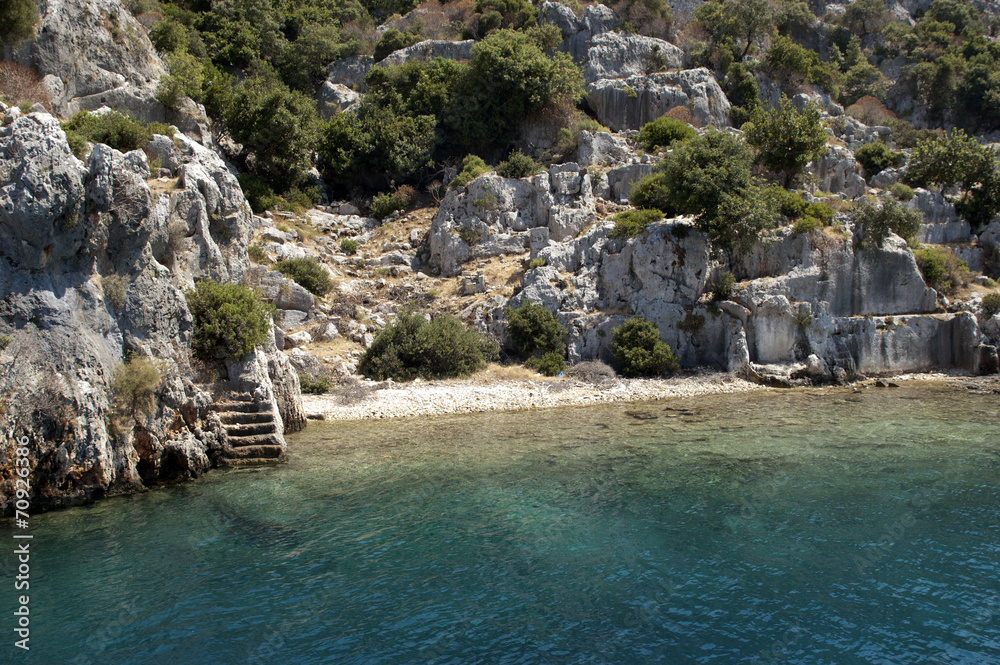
x=613, y=55
x=838, y=172
x=350, y=72
x=493, y=215
x=941, y=224
x=93, y=53
x=808, y=306
x=335, y=97
x=577, y=31
x=602, y=149
x=428, y=50
x=630, y=103
x=96, y=258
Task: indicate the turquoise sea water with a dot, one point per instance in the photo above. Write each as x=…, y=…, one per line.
x=799, y=527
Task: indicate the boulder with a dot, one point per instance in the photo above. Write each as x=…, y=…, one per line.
x=602, y=149
x=615, y=55
x=838, y=172
x=350, y=72
x=86, y=49
x=630, y=103
x=577, y=31
x=428, y=50
x=335, y=97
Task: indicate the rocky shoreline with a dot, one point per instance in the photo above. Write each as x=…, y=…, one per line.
x=435, y=398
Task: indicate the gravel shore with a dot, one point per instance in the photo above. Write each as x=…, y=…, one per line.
x=430, y=398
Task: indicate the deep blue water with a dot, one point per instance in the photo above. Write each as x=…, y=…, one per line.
x=801, y=527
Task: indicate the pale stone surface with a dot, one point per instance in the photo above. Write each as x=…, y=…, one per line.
x=630, y=103
x=95, y=264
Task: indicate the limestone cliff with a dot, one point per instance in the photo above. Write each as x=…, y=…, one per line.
x=95, y=260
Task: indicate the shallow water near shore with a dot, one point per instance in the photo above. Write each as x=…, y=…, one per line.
x=788, y=527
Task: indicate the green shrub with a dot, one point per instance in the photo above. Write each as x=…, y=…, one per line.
x=876, y=157
x=277, y=128
x=652, y=192
x=902, y=192
x=664, y=132
x=257, y=254
x=941, y=269
x=133, y=386
x=386, y=203
x=534, y=329
x=790, y=204
x=186, y=79
x=412, y=346
x=5, y=341
x=722, y=288
x=114, y=290
x=631, y=223
x=472, y=167
x=229, y=320
x=120, y=131
x=692, y=323
x=393, y=40
x=518, y=165
x=874, y=223
x=991, y=304
x=806, y=224
x=258, y=193
x=640, y=351
x=470, y=235
x=820, y=211
x=349, y=246
x=549, y=364
x=537, y=262
x=308, y=273
x=314, y=385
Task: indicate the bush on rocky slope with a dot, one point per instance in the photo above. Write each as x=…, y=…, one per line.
x=229, y=320
x=415, y=345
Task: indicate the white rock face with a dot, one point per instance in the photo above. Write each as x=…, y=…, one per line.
x=602, y=149
x=95, y=49
x=96, y=264
x=496, y=214
x=577, y=31
x=630, y=103
x=428, y=50
x=615, y=55
x=334, y=97
x=838, y=172
x=941, y=223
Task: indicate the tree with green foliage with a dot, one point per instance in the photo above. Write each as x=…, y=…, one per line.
x=375, y=145
x=534, y=330
x=17, y=21
x=864, y=16
x=958, y=159
x=509, y=77
x=875, y=157
x=874, y=223
x=786, y=139
x=393, y=40
x=229, y=320
x=710, y=177
x=742, y=91
x=664, y=132
x=415, y=345
x=736, y=24
x=640, y=351
x=277, y=128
